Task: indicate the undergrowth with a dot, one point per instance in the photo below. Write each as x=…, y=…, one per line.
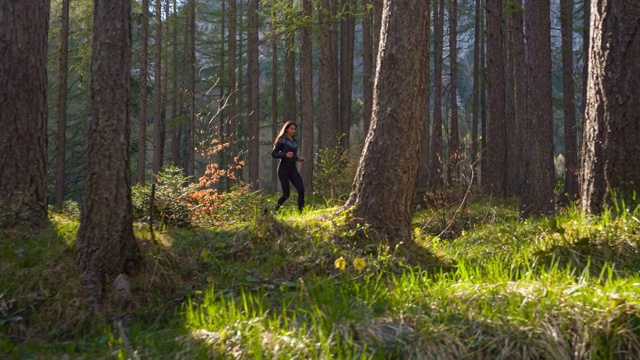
x=307, y=286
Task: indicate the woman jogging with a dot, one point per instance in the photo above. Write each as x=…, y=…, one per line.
x=285, y=148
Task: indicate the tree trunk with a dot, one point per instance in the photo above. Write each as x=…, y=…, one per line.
x=176, y=128
x=515, y=95
x=158, y=118
x=62, y=104
x=399, y=99
x=327, y=40
x=610, y=166
x=585, y=63
x=23, y=112
x=476, y=86
x=105, y=240
x=274, y=105
x=347, y=35
x=231, y=111
x=254, y=93
x=191, y=81
x=484, y=164
x=520, y=95
x=144, y=74
x=539, y=171
x=423, y=166
x=368, y=71
x=496, y=177
x=435, y=164
x=290, y=76
x=454, y=142
x=306, y=99
x=568, y=98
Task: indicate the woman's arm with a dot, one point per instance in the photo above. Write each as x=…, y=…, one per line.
x=277, y=152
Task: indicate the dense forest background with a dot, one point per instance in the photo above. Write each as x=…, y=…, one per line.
x=223, y=113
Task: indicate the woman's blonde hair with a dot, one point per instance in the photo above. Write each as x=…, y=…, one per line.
x=283, y=130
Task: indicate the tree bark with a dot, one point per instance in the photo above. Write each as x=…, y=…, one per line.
x=368, y=71
x=399, y=97
x=23, y=112
x=435, y=163
x=568, y=99
x=231, y=110
x=515, y=95
x=61, y=148
x=347, y=36
x=105, y=240
x=158, y=118
x=538, y=197
x=290, y=76
x=476, y=86
x=176, y=128
x=142, y=121
x=191, y=81
x=254, y=94
x=274, y=105
x=306, y=98
x=454, y=141
x=423, y=166
x=496, y=178
x=610, y=163
x=327, y=41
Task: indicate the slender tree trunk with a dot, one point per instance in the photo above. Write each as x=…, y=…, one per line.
x=165, y=79
x=367, y=64
x=515, y=95
x=400, y=86
x=23, y=112
x=306, y=99
x=290, y=76
x=241, y=146
x=62, y=104
x=191, y=81
x=436, y=140
x=327, y=40
x=105, y=241
x=347, y=35
x=568, y=97
x=496, y=145
x=176, y=128
x=585, y=64
x=254, y=93
x=539, y=171
x=423, y=171
x=231, y=111
x=158, y=120
x=476, y=85
x=454, y=142
x=520, y=94
x=484, y=164
x=142, y=121
x=274, y=107
x=222, y=113
x=610, y=163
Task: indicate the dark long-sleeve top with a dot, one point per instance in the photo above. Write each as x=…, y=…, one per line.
x=282, y=147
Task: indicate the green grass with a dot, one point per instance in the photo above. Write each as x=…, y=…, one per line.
x=491, y=286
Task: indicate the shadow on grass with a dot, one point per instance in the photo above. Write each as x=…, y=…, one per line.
x=594, y=256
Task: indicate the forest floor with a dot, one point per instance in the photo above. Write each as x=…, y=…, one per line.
x=477, y=282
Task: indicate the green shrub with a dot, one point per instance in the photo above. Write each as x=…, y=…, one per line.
x=140, y=196
x=335, y=173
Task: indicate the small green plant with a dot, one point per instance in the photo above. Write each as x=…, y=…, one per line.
x=172, y=197
x=334, y=177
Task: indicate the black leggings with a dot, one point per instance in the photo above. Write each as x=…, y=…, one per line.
x=288, y=174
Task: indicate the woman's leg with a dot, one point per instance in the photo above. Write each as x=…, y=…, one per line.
x=296, y=180
x=283, y=175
